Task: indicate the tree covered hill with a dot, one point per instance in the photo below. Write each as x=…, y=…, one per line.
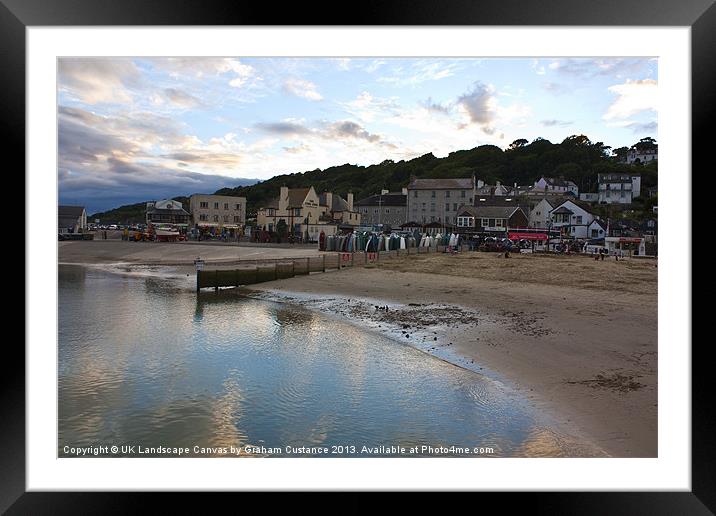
x=576, y=158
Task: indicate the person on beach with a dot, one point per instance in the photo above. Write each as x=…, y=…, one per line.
x=508, y=248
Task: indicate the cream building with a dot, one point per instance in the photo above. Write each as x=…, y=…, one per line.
x=307, y=214
x=218, y=211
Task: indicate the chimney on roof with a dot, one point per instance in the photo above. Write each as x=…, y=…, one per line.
x=404, y=191
x=329, y=201
x=283, y=199
x=350, y=201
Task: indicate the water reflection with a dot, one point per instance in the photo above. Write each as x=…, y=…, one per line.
x=143, y=362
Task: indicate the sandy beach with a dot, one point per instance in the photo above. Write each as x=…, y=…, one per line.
x=577, y=337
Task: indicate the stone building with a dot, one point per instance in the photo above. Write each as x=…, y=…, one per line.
x=438, y=200
x=384, y=209
x=218, y=211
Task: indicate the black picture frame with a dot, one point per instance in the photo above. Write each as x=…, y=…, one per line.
x=700, y=15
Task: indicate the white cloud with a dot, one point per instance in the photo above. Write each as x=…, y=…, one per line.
x=94, y=81
x=633, y=97
x=369, y=108
x=344, y=63
x=302, y=88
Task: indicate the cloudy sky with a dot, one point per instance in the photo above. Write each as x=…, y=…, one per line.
x=148, y=128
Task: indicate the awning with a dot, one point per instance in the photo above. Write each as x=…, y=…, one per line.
x=528, y=236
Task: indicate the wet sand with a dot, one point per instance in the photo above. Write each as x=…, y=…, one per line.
x=576, y=336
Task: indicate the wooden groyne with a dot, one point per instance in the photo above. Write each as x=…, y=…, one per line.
x=250, y=272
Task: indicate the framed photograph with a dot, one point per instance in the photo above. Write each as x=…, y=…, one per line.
x=363, y=257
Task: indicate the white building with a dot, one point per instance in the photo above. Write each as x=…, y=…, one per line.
x=597, y=229
x=643, y=156
x=71, y=219
x=589, y=197
x=539, y=215
x=626, y=246
x=556, y=186
x=618, y=188
x=572, y=219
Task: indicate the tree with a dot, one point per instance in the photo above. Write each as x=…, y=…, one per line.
x=646, y=144
x=620, y=153
x=281, y=229
x=518, y=143
x=577, y=140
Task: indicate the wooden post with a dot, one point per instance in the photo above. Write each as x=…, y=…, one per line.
x=197, y=281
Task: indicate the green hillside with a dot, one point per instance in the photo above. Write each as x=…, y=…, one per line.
x=576, y=158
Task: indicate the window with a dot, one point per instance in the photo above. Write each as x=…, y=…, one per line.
x=203, y=204
x=447, y=194
x=216, y=218
x=203, y=216
x=415, y=194
x=226, y=218
x=462, y=194
x=432, y=194
x=466, y=222
x=484, y=223
x=447, y=206
x=238, y=207
x=237, y=218
x=432, y=206
x=423, y=206
x=432, y=218
x=216, y=205
x=226, y=205
x=387, y=210
x=447, y=219
x=491, y=223
x=454, y=206
x=499, y=223
x=579, y=219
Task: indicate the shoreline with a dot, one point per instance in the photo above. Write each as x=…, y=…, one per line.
x=604, y=389
x=586, y=357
